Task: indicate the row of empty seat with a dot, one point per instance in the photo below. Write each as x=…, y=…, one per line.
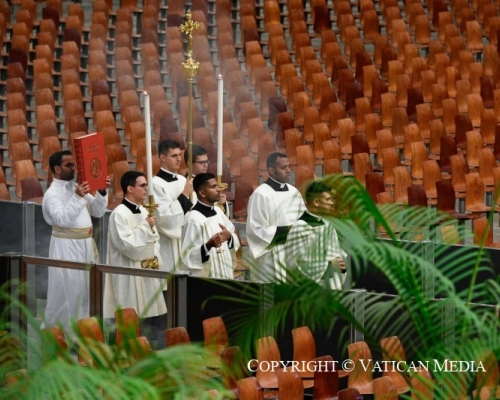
x=301, y=79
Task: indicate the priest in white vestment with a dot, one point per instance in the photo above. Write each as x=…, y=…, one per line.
x=133, y=241
x=200, y=166
x=68, y=207
x=312, y=245
x=272, y=209
x=171, y=192
x=209, y=240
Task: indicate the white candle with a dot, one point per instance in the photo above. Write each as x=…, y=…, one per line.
x=219, y=124
x=149, y=155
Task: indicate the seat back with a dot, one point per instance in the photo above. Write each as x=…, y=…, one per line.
x=140, y=347
x=474, y=193
x=402, y=180
x=349, y=394
x=267, y=350
x=24, y=169
x=304, y=346
x=290, y=385
x=374, y=185
x=127, y=325
x=233, y=367
x=215, y=334
x=92, y=348
x=431, y=174
x=326, y=378
x=176, y=336
x=249, y=389
x=422, y=385
x=416, y=196
x=360, y=378
x=384, y=389
x=362, y=166
x=55, y=337
x=31, y=189
x=446, y=200
x=483, y=232
x=4, y=192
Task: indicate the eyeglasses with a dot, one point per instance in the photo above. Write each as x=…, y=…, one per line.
x=204, y=163
x=143, y=185
x=69, y=165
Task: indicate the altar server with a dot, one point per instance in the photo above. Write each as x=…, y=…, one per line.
x=209, y=239
x=272, y=209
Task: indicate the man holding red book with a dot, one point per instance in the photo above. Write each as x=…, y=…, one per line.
x=68, y=206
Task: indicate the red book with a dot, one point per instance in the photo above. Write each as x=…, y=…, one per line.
x=91, y=163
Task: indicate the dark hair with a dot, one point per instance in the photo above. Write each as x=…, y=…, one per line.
x=56, y=159
x=200, y=180
x=197, y=151
x=166, y=145
x=271, y=159
x=314, y=189
x=129, y=178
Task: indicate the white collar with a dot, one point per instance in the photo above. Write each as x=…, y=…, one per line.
x=174, y=174
x=205, y=205
x=282, y=185
x=137, y=206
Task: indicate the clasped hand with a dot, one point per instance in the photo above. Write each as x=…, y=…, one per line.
x=219, y=238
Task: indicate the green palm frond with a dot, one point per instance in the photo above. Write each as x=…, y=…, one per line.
x=436, y=285
x=178, y=372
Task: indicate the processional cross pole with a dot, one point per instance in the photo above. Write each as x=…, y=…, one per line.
x=190, y=68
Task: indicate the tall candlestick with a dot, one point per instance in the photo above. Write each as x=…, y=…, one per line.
x=149, y=156
x=220, y=122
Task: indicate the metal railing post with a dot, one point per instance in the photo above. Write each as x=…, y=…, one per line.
x=358, y=310
x=95, y=291
x=427, y=279
x=29, y=240
x=177, y=301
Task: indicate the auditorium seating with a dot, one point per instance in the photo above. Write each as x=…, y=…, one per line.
x=65, y=66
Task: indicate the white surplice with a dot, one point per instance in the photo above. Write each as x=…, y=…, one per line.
x=130, y=241
x=311, y=245
x=269, y=209
x=68, y=290
x=198, y=229
x=169, y=219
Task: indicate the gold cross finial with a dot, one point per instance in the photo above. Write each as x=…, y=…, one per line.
x=189, y=26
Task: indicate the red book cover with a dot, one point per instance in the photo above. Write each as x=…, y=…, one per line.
x=91, y=163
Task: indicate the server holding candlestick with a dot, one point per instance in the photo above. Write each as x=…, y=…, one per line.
x=220, y=139
x=220, y=134
x=173, y=191
x=150, y=205
x=220, y=122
